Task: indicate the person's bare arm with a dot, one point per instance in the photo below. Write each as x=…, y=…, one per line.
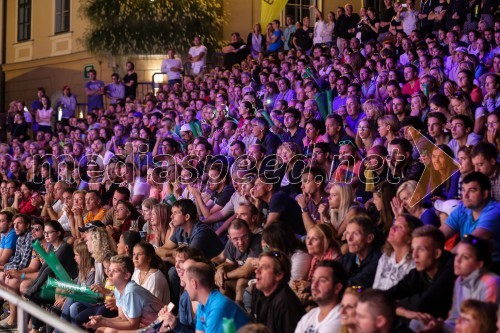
x=272, y=217
x=447, y=231
x=167, y=250
x=241, y=272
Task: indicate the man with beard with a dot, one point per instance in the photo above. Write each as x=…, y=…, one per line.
x=327, y=288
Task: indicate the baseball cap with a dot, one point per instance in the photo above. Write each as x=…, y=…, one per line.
x=461, y=49
x=446, y=206
x=185, y=128
x=138, y=114
x=91, y=225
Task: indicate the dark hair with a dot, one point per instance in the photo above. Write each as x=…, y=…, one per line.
x=281, y=263
x=150, y=253
x=8, y=215
x=339, y=274
x=57, y=227
x=187, y=207
x=26, y=218
x=294, y=112
x=280, y=235
x=482, y=248
x=202, y=273
x=124, y=191
x=483, y=181
x=486, y=149
x=131, y=238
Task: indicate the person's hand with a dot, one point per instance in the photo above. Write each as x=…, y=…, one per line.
x=17, y=195
x=455, y=16
x=13, y=274
x=303, y=199
x=194, y=190
x=218, y=135
x=97, y=288
x=77, y=210
x=491, y=134
x=397, y=206
x=59, y=303
x=49, y=198
x=169, y=320
x=95, y=322
x=110, y=303
x=220, y=278
x=433, y=326
x=177, y=190
x=323, y=210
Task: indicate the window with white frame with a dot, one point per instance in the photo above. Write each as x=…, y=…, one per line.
x=62, y=15
x=23, y=20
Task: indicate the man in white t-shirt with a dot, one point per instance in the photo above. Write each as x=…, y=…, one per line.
x=172, y=67
x=196, y=56
x=327, y=288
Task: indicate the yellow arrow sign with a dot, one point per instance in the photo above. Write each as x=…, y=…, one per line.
x=439, y=166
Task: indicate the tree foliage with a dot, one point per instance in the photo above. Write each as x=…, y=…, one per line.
x=135, y=27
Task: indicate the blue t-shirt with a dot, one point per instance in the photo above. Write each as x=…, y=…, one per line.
x=9, y=242
x=461, y=220
x=94, y=101
x=137, y=301
x=209, y=316
x=278, y=44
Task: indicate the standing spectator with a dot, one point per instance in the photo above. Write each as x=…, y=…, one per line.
x=172, y=67
x=256, y=41
x=67, y=102
x=289, y=32
x=115, y=90
x=130, y=81
x=196, y=57
x=9, y=237
x=94, y=89
x=302, y=39
x=408, y=17
x=274, y=41
x=44, y=115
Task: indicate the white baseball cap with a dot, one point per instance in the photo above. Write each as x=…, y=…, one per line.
x=446, y=206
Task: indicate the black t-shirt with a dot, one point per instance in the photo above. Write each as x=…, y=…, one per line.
x=303, y=38
x=441, y=7
x=387, y=16
x=132, y=90
x=289, y=211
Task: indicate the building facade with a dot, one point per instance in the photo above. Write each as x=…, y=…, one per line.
x=40, y=42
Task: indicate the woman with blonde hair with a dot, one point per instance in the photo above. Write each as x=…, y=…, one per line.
x=366, y=136
x=373, y=109
x=403, y=203
x=439, y=75
x=348, y=309
x=388, y=128
x=340, y=208
x=419, y=106
x=99, y=244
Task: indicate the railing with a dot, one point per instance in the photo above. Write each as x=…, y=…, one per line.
x=24, y=308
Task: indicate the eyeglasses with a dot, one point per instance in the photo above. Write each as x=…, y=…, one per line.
x=345, y=142
x=46, y=233
x=36, y=228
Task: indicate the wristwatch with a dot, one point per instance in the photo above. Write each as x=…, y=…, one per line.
x=304, y=210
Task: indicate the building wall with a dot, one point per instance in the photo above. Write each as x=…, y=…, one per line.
x=53, y=61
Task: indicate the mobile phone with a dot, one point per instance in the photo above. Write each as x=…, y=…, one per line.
x=170, y=307
x=404, y=5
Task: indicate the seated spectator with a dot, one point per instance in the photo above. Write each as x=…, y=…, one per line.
x=404, y=202
x=233, y=267
x=150, y=271
x=340, y=208
x=327, y=288
x=362, y=259
x=9, y=237
x=313, y=195
x=279, y=204
x=212, y=305
x=136, y=305
x=427, y=288
x=376, y=313
x=273, y=302
x=476, y=214
x=484, y=160
x=477, y=317
x=396, y=260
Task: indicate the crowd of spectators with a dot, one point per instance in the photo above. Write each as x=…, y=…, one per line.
x=340, y=176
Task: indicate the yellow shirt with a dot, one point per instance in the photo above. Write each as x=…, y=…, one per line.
x=91, y=217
